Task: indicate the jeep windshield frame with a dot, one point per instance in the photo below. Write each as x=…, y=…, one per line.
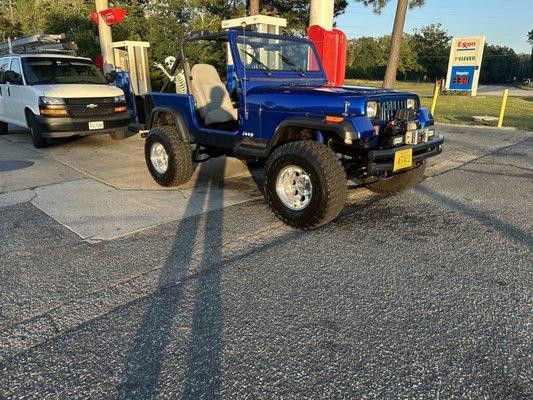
x=287, y=57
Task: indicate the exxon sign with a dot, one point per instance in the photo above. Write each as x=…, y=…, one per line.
x=464, y=65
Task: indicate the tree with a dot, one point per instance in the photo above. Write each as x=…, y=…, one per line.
x=9, y=23
x=530, y=41
x=367, y=58
x=397, y=33
x=22, y=18
x=432, y=46
x=500, y=65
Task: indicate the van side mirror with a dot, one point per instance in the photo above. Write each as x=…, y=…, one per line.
x=111, y=76
x=12, y=77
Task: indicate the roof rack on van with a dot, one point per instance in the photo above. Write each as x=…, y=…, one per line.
x=38, y=43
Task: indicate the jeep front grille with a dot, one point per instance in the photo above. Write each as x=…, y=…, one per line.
x=387, y=108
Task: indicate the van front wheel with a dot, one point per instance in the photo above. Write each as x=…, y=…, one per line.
x=3, y=128
x=37, y=138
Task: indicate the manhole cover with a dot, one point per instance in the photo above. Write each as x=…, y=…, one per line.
x=14, y=165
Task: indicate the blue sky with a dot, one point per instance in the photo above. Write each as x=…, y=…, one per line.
x=504, y=22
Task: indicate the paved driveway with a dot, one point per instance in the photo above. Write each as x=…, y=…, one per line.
x=423, y=295
x=497, y=90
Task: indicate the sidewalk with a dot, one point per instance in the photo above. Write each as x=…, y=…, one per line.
x=101, y=189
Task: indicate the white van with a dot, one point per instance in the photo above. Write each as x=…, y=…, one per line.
x=58, y=96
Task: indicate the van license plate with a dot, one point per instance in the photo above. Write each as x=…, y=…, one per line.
x=403, y=159
x=96, y=125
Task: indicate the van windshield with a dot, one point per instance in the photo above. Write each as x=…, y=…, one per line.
x=56, y=70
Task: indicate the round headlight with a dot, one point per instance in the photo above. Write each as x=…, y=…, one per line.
x=411, y=103
x=372, y=109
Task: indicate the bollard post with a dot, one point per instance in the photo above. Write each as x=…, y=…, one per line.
x=435, y=96
x=502, y=108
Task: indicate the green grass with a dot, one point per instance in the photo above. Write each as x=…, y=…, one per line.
x=460, y=109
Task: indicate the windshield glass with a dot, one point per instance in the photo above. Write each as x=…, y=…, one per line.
x=275, y=54
x=44, y=70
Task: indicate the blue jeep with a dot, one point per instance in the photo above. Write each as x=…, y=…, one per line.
x=277, y=111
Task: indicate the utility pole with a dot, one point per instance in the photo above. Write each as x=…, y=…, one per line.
x=106, y=38
x=395, y=44
x=321, y=13
x=254, y=7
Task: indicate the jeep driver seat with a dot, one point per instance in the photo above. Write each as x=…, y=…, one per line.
x=212, y=97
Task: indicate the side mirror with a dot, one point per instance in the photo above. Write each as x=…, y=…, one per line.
x=12, y=77
x=111, y=76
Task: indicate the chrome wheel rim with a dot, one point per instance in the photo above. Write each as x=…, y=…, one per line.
x=294, y=187
x=159, y=157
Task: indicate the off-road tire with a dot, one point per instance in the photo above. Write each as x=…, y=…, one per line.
x=328, y=178
x=38, y=140
x=3, y=128
x=399, y=183
x=180, y=157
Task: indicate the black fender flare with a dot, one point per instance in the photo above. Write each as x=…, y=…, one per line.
x=177, y=117
x=344, y=130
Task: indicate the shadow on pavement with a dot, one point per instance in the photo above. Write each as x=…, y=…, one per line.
x=144, y=360
x=202, y=373
x=481, y=216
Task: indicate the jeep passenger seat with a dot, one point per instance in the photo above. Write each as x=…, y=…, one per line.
x=212, y=97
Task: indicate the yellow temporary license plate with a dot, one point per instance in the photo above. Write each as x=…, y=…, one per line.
x=403, y=159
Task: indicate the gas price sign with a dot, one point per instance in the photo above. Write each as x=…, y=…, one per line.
x=465, y=62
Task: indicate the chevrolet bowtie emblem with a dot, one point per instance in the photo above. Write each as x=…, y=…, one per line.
x=92, y=105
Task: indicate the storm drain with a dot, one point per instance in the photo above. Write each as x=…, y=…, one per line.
x=14, y=165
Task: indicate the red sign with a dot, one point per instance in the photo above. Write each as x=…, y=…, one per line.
x=113, y=16
x=94, y=17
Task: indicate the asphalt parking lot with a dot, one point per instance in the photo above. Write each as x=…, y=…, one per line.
x=113, y=288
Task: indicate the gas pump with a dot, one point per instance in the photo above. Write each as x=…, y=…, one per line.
x=132, y=57
x=331, y=43
x=132, y=73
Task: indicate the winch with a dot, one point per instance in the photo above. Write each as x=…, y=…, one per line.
x=404, y=129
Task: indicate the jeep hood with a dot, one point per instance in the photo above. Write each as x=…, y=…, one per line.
x=321, y=100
